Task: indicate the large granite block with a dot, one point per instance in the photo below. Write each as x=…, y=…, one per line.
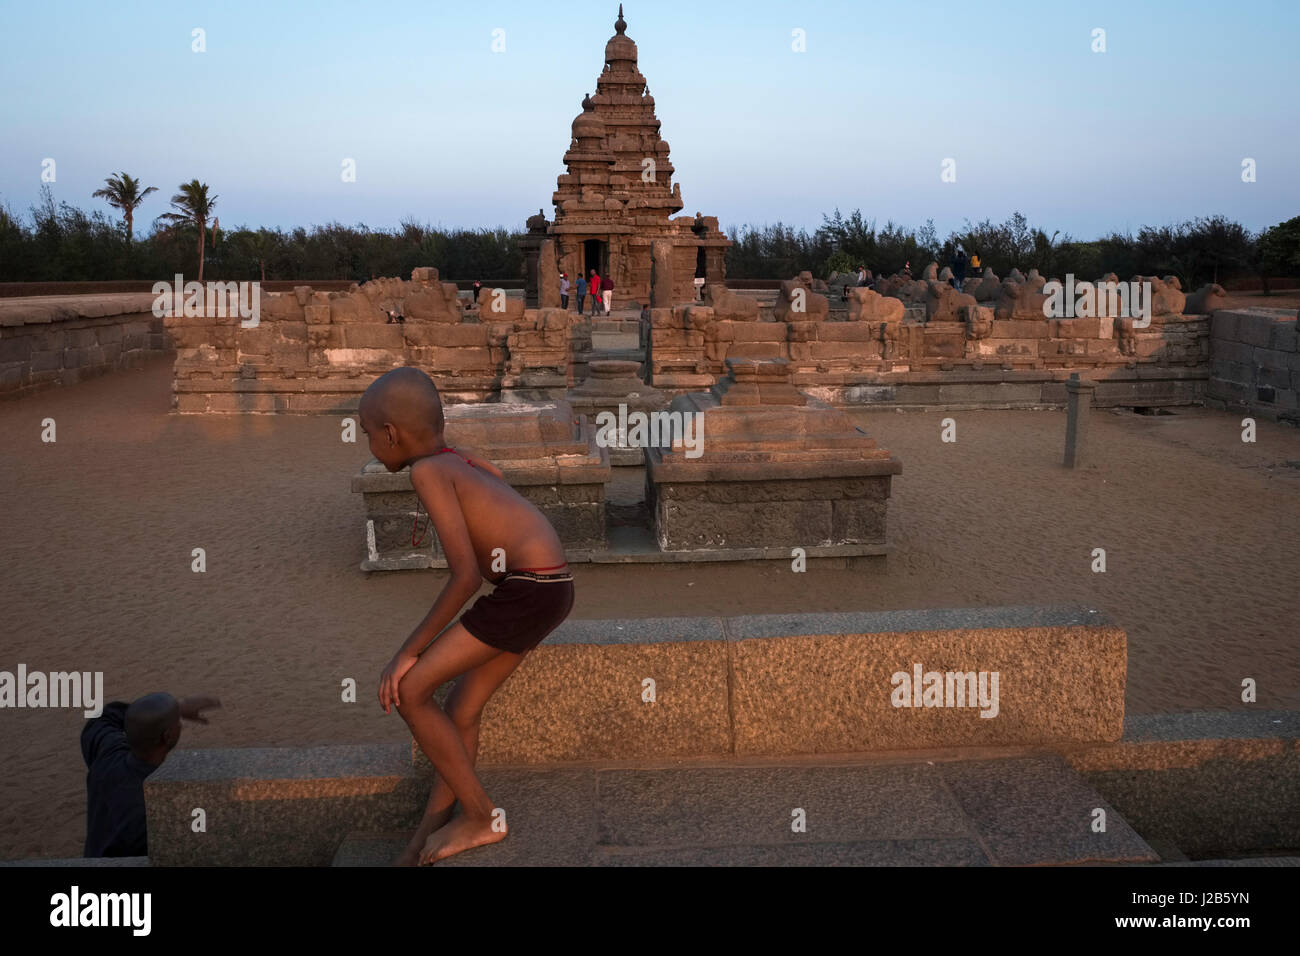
x=1057, y=682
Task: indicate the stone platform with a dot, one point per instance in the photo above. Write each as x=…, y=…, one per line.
x=934, y=807
x=1024, y=810
x=773, y=469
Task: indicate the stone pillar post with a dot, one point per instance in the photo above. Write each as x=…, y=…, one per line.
x=661, y=274
x=1076, y=424
x=548, y=277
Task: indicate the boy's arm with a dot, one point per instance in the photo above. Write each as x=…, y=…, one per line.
x=437, y=491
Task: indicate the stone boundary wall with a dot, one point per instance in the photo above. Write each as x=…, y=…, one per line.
x=315, y=351
x=1255, y=364
x=925, y=344
x=63, y=340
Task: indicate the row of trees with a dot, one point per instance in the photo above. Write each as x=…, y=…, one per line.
x=61, y=242
x=1208, y=249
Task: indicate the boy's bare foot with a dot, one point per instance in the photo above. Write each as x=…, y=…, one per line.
x=463, y=833
x=431, y=822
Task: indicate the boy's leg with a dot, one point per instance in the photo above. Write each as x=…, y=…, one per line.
x=453, y=653
x=464, y=705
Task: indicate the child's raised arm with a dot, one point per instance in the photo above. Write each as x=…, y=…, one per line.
x=436, y=488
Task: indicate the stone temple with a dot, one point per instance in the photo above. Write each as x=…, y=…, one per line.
x=617, y=200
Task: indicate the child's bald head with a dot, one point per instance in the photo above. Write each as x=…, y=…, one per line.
x=402, y=414
x=406, y=397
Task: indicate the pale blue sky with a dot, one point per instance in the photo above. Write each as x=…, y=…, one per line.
x=446, y=131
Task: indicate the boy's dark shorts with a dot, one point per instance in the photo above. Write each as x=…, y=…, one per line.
x=521, y=610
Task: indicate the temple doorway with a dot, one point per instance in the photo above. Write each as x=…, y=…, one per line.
x=595, y=255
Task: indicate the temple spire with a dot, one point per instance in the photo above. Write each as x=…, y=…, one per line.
x=620, y=24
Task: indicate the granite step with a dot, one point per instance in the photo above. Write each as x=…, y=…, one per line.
x=1021, y=811
x=633, y=353
x=614, y=341
x=276, y=806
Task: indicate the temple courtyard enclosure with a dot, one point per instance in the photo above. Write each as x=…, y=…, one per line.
x=1200, y=529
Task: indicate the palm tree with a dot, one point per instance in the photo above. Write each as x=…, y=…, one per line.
x=123, y=192
x=263, y=245
x=193, y=206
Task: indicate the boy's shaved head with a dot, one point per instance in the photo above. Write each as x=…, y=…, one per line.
x=406, y=397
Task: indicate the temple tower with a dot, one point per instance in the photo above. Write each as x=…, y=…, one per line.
x=617, y=196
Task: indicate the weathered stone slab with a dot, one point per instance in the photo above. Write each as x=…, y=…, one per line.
x=686, y=809
x=1208, y=783
x=759, y=440
x=1037, y=810
x=1057, y=682
x=276, y=806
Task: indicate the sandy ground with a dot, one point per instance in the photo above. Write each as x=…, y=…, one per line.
x=1201, y=531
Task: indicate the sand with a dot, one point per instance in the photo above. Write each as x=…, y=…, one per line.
x=1201, y=532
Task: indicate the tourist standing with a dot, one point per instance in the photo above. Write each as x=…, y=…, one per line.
x=594, y=286
x=862, y=276
x=582, y=292
x=564, y=290
x=607, y=293
x=478, y=287
x=959, y=268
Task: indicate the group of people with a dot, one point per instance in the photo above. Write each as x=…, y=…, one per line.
x=959, y=265
x=599, y=288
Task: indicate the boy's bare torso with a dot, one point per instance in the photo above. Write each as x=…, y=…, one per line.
x=496, y=516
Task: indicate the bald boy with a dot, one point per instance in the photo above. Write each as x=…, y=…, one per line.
x=122, y=747
x=477, y=517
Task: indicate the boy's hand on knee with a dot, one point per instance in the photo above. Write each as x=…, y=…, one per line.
x=391, y=677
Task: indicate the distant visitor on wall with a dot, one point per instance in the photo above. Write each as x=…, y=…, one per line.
x=594, y=286
x=564, y=290
x=959, y=268
x=607, y=293
x=582, y=292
